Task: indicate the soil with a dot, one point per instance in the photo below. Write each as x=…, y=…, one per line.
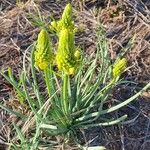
x=122, y=20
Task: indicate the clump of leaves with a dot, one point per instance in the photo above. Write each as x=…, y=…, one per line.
x=74, y=89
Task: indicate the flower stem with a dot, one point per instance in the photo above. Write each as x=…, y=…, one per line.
x=65, y=100
x=48, y=79
x=35, y=85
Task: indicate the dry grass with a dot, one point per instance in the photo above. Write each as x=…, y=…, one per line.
x=122, y=20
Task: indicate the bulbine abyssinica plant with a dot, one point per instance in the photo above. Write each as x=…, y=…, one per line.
x=77, y=85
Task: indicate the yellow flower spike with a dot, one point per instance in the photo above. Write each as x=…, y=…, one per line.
x=43, y=53
x=67, y=16
x=65, y=57
x=66, y=20
x=119, y=67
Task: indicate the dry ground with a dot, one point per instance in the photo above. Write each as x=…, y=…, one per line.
x=122, y=19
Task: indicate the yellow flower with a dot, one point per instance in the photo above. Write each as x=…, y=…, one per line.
x=119, y=67
x=77, y=54
x=43, y=53
x=67, y=16
x=56, y=26
x=65, y=22
x=67, y=57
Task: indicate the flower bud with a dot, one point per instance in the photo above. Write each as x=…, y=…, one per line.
x=77, y=54
x=119, y=67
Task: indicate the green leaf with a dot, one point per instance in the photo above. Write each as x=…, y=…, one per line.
x=20, y=134
x=13, y=112
x=48, y=126
x=108, y=123
x=12, y=81
x=22, y=138
x=116, y=107
x=35, y=85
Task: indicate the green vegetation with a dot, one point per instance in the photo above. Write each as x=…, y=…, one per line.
x=77, y=86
